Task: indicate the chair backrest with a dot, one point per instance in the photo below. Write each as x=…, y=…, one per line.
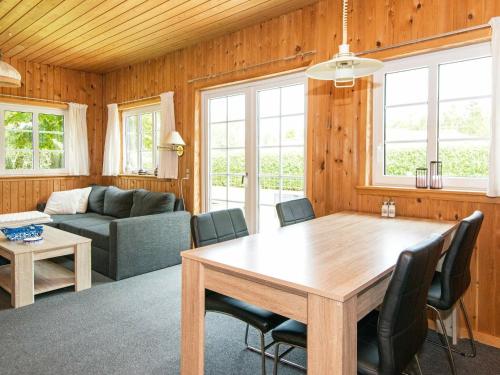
x=455, y=272
x=295, y=211
x=402, y=325
x=218, y=226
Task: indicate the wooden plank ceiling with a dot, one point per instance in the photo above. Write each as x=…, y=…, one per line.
x=102, y=35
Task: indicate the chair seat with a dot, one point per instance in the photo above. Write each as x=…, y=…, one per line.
x=259, y=318
x=368, y=352
x=291, y=332
x=434, y=297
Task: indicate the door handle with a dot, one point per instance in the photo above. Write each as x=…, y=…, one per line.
x=243, y=177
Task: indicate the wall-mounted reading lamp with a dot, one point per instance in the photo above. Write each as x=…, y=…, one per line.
x=174, y=142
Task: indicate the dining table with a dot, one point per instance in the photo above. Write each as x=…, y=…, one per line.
x=327, y=273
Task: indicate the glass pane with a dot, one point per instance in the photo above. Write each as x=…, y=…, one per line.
x=218, y=135
x=236, y=108
x=51, y=159
x=465, y=119
x=465, y=79
x=218, y=160
x=147, y=131
x=269, y=161
x=132, y=124
x=292, y=160
x=19, y=140
x=292, y=99
x=464, y=158
x=407, y=87
x=269, y=132
x=293, y=188
x=402, y=159
x=292, y=130
x=51, y=141
x=269, y=190
x=15, y=120
x=218, y=110
x=18, y=159
x=269, y=102
x=236, y=191
x=216, y=205
x=132, y=133
x=147, y=160
x=237, y=161
x=237, y=205
x=218, y=188
x=268, y=218
x=236, y=134
x=50, y=122
x=406, y=123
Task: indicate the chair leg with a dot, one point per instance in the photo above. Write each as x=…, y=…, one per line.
x=276, y=358
x=263, y=355
x=418, y=364
x=445, y=336
x=473, y=352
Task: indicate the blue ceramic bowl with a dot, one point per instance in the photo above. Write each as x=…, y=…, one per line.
x=20, y=233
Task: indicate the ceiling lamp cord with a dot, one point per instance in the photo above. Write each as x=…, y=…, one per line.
x=344, y=67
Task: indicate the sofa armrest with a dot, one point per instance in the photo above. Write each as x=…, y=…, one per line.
x=147, y=243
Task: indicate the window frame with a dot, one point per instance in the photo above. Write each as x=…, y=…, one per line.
x=133, y=112
x=35, y=110
x=432, y=61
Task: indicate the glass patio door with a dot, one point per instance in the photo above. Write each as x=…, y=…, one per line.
x=254, y=142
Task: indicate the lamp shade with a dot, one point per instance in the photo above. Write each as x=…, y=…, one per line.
x=339, y=66
x=174, y=138
x=9, y=76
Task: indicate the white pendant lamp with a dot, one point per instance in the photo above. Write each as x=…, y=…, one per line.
x=9, y=76
x=344, y=67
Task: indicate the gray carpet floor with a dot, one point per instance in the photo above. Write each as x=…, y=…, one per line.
x=132, y=327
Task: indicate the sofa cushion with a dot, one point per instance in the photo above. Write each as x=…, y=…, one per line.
x=96, y=199
x=99, y=235
x=150, y=203
x=58, y=219
x=118, y=202
x=76, y=226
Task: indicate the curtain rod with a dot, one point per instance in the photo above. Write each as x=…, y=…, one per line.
x=286, y=58
x=139, y=100
x=426, y=39
x=30, y=98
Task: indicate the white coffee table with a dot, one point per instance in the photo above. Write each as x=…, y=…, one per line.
x=31, y=272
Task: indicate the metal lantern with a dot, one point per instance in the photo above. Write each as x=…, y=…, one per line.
x=436, y=175
x=421, y=178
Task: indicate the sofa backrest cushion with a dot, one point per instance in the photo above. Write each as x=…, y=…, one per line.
x=118, y=202
x=150, y=203
x=96, y=199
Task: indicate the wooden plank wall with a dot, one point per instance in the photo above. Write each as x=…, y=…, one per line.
x=55, y=83
x=337, y=119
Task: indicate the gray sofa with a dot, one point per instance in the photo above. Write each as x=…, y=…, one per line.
x=132, y=231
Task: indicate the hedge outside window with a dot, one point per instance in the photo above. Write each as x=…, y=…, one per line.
x=434, y=106
x=32, y=140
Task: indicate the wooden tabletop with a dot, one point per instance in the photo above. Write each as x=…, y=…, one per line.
x=53, y=239
x=334, y=256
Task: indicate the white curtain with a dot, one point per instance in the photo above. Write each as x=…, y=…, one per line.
x=494, y=167
x=111, y=162
x=77, y=142
x=168, y=163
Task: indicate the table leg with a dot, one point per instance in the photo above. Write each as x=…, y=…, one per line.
x=22, y=280
x=193, y=318
x=83, y=268
x=331, y=336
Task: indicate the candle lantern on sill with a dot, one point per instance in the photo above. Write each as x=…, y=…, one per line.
x=421, y=178
x=436, y=175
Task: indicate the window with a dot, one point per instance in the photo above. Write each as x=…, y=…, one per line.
x=255, y=147
x=141, y=134
x=434, y=106
x=32, y=140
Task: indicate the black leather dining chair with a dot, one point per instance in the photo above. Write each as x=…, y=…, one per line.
x=450, y=284
x=220, y=226
x=294, y=211
x=389, y=339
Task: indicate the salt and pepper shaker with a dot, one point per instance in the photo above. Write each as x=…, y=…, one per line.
x=392, y=208
x=385, y=209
